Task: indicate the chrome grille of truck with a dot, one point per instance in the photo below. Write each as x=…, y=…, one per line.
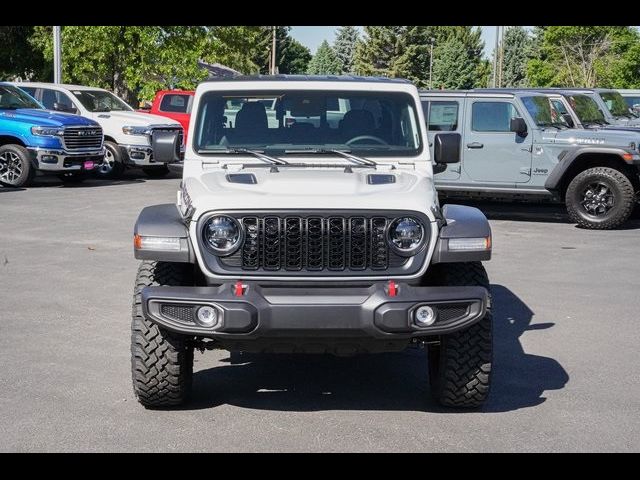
x=82, y=138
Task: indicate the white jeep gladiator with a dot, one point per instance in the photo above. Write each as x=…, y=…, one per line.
x=131, y=138
x=310, y=224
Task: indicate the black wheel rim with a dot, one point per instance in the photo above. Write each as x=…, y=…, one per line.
x=11, y=167
x=597, y=199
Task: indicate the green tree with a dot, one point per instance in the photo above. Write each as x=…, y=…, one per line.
x=295, y=58
x=517, y=50
x=452, y=68
x=586, y=56
x=377, y=53
x=345, y=48
x=18, y=58
x=324, y=62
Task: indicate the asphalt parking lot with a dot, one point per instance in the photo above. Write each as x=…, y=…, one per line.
x=567, y=353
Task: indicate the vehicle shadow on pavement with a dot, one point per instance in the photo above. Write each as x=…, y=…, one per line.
x=10, y=189
x=390, y=381
x=535, y=212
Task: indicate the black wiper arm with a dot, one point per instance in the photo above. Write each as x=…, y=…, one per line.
x=261, y=156
x=352, y=158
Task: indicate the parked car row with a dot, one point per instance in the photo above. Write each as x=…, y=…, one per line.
x=573, y=145
x=70, y=130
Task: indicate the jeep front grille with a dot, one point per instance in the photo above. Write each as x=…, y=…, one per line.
x=314, y=244
x=82, y=138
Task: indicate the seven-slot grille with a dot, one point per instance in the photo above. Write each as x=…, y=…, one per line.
x=83, y=138
x=314, y=243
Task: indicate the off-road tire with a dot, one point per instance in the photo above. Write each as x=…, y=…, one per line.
x=113, y=163
x=156, y=172
x=620, y=186
x=161, y=361
x=13, y=154
x=460, y=366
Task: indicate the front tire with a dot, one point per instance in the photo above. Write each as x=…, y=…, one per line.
x=600, y=198
x=15, y=166
x=156, y=172
x=112, y=166
x=161, y=361
x=460, y=366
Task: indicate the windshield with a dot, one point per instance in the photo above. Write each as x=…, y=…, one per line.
x=616, y=104
x=586, y=108
x=543, y=112
x=374, y=123
x=12, y=97
x=100, y=101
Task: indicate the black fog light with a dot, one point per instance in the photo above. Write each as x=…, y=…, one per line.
x=49, y=159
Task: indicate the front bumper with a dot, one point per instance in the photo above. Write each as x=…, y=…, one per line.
x=58, y=160
x=142, y=155
x=342, y=320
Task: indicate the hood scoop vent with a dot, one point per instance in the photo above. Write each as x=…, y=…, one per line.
x=380, y=179
x=244, y=178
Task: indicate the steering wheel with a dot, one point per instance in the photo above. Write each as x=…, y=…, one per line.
x=366, y=137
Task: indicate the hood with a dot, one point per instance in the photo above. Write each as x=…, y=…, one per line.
x=136, y=119
x=603, y=137
x=312, y=188
x=45, y=118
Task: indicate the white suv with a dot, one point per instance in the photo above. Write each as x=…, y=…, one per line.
x=128, y=134
x=316, y=232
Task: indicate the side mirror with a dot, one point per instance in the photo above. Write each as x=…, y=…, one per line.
x=446, y=147
x=568, y=119
x=61, y=107
x=519, y=126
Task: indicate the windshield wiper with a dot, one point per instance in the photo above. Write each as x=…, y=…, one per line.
x=259, y=155
x=557, y=125
x=345, y=154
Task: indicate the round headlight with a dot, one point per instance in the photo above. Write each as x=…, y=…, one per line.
x=406, y=235
x=222, y=234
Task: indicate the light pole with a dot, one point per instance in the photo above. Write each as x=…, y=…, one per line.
x=273, y=53
x=431, y=41
x=57, y=56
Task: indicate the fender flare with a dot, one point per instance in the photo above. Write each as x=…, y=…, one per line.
x=568, y=158
x=163, y=221
x=462, y=222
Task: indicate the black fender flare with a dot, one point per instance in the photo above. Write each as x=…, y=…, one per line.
x=163, y=221
x=568, y=158
x=462, y=222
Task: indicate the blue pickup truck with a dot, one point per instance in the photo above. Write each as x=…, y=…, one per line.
x=34, y=140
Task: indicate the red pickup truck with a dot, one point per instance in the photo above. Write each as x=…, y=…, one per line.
x=174, y=104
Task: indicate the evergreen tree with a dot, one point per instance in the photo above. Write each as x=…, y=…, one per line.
x=378, y=52
x=517, y=51
x=345, y=48
x=324, y=62
x=452, y=67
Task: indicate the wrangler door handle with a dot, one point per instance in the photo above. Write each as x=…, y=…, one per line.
x=475, y=145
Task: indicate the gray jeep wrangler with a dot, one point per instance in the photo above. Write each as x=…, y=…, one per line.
x=517, y=145
x=308, y=222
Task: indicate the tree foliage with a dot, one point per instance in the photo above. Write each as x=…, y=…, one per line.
x=18, y=58
x=345, y=48
x=586, y=56
x=517, y=50
x=325, y=61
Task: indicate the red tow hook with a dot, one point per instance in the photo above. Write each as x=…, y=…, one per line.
x=392, y=290
x=239, y=288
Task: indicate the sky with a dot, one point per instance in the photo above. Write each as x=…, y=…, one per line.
x=312, y=37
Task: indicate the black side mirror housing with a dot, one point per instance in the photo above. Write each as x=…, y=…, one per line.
x=61, y=107
x=447, y=147
x=166, y=146
x=519, y=126
x=568, y=119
